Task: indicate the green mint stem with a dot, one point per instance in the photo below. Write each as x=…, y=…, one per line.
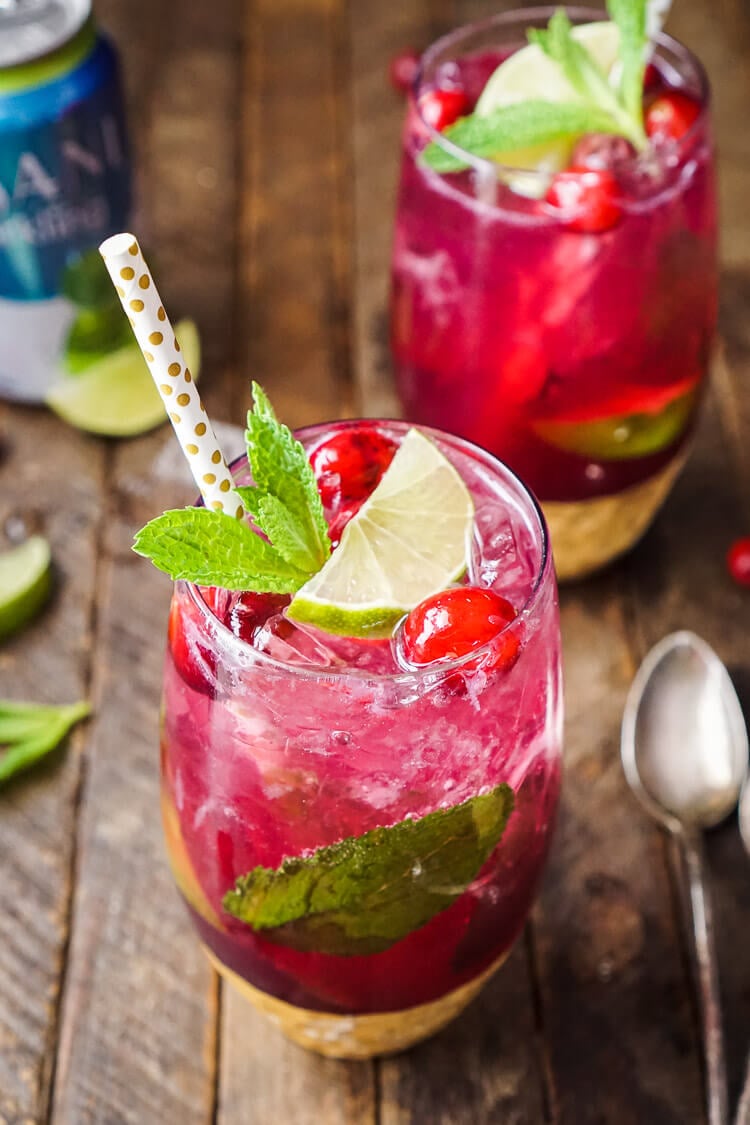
x=45, y=729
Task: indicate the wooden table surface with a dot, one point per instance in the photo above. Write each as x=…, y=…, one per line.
x=266, y=138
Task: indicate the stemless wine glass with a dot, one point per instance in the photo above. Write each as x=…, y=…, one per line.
x=387, y=826
x=577, y=355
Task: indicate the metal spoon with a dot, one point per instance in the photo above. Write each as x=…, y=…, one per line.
x=685, y=755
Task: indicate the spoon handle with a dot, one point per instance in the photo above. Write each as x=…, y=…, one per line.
x=743, y=1110
x=708, y=983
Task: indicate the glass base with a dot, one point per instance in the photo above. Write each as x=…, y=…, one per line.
x=588, y=534
x=357, y=1037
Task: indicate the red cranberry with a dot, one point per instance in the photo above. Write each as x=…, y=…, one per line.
x=587, y=199
x=670, y=116
x=402, y=70
x=455, y=622
x=350, y=464
x=738, y=561
x=442, y=106
x=195, y=662
x=651, y=77
x=601, y=150
x=250, y=611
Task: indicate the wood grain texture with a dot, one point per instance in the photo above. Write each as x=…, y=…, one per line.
x=616, y=1012
x=140, y=1015
x=51, y=484
x=293, y=294
x=485, y=1068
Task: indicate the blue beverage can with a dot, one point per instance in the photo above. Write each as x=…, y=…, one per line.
x=65, y=185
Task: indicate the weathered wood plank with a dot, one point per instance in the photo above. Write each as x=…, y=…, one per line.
x=51, y=481
x=293, y=337
x=379, y=31
x=483, y=1068
x=293, y=315
x=615, y=1010
x=681, y=583
x=140, y=1015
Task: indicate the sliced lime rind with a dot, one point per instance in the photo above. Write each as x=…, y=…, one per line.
x=410, y=539
x=116, y=396
x=621, y=437
x=25, y=583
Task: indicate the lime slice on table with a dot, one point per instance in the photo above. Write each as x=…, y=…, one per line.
x=408, y=540
x=116, y=396
x=25, y=583
x=620, y=437
x=530, y=74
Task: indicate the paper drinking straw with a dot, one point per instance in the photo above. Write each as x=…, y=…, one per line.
x=140, y=299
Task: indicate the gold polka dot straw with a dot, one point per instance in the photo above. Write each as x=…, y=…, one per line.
x=156, y=339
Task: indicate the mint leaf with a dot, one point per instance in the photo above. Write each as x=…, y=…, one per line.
x=367, y=892
x=29, y=731
x=582, y=71
x=630, y=17
x=280, y=469
x=517, y=126
x=213, y=549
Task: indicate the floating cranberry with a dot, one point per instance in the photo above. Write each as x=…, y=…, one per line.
x=601, y=150
x=587, y=199
x=350, y=464
x=194, y=661
x=457, y=621
x=738, y=561
x=670, y=116
x=402, y=70
x=251, y=611
x=442, y=106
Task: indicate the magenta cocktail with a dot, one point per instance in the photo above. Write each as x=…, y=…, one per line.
x=358, y=825
x=560, y=314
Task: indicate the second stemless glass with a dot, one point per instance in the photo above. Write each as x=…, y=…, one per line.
x=266, y=759
x=578, y=358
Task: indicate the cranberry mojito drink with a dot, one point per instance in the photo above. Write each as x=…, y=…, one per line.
x=361, y=725
x=554, y=276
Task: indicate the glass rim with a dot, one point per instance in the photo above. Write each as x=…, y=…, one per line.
x=438, y=671
x=577, y=13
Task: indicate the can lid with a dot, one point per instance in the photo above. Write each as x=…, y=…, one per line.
x=30, y=29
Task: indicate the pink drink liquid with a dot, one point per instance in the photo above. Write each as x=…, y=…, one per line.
x=275, y=753
x=546, y=345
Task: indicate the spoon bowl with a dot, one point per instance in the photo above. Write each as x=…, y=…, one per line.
x=684, y=740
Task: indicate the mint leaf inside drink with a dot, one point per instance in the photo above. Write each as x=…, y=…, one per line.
x=365, y=893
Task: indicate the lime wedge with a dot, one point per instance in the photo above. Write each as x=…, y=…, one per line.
x=620, y=437
x=116, y=396
x=530, y=74
x=25, y=583
x=408, y=540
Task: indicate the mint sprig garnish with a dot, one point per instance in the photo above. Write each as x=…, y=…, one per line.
x=30, y=731
x=211, y=548
x=599, y=106
x=517, y=126
x=365, y=893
